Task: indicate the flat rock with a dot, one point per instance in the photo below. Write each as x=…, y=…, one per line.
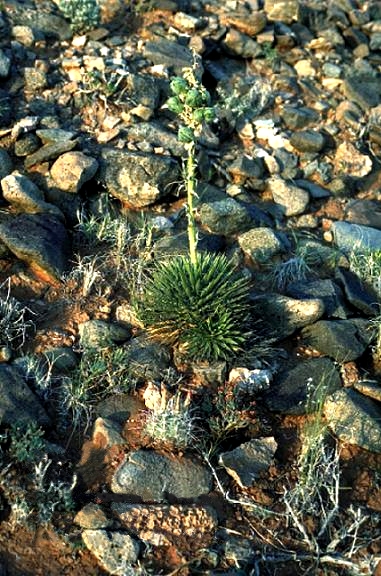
x=71, y=170
x=138, y=179
x=168, y=53
x=350, y=237
x=92, y=517
x=355, y=419
x=156, y=135
x=25, y=196
x=49, y=152
x=147, y=360
x=163, y=525
x=308, y=141
x=250, y=24
x=115, y=551
x=325, y=290
x=18, y=403
x=364, y=89
x=226, y=216
x=239, y=44
x=40, y=240
x=301, y=389
x=342, y=340
x=298, y=118
x=153, y=476
x=101, y=334
x=364, y=212
x=260, y=244
x=249, y=460
x=290, y=198
x=281, y=315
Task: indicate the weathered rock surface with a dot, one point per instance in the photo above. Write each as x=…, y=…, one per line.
x=72, y=169
x=282, y=315
x=39, y=240
x=343, y=340
x=138, y=179
x=100, y=334
x=355, y=419
x=260, y=244
x=291, y=199
x=115, y=551
x=152, y=476
x=18, y=403
x=301, y=389
x=25, y=196
x=249, y=460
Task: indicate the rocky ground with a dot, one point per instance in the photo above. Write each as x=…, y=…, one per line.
x=118, y=455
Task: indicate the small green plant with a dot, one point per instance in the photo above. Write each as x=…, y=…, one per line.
x=99, y=373
x=124, y=249
x=196, y=302
x=13, y=322
x=243, y=98
x=26, y=442
x=171, y=423
x=84, y=15
x=367, y=266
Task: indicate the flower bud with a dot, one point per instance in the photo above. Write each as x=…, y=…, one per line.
x=194, y=98
x=185, y=134
x=209, y=114
x=198, y=115
x=179, y=86
x=175, y=105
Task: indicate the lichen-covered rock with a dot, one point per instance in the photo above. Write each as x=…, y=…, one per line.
x=40, y=240
x=137, y=179
x=115, y=551
x=71, y=170
x=153, y=476
x=18, y=403
x=355, y=419
x=163, y=525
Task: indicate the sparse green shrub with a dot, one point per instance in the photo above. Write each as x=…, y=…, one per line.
x=200, y=307
x=26, y=442
x=83, y=14
x=367, y=266
x=32, y=495
x=171, y=423
x=99, y=373
x=13, y=322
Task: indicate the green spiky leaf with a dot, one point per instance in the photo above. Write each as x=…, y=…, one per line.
x=201, y=307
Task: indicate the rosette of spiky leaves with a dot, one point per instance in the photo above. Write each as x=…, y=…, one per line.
x=200, y=307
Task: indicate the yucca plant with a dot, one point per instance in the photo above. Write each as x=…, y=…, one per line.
x=200, y=307
x=195, y=302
